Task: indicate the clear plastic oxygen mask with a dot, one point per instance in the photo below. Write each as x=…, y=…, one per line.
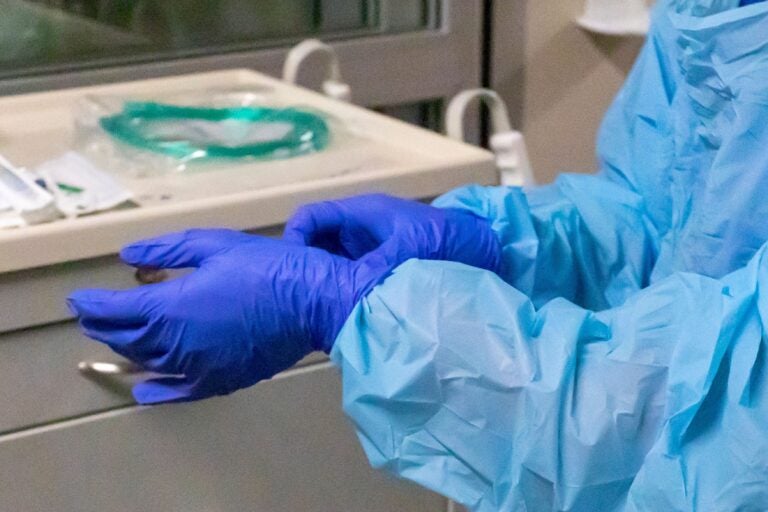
x=197, y=133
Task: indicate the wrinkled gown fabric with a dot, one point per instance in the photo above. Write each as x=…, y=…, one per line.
x=617, y=362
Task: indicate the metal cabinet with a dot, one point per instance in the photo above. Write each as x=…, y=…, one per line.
x=282, y=445
x=40, y=379
x=71, y=443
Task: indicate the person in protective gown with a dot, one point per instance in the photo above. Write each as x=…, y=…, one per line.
x=594, y=344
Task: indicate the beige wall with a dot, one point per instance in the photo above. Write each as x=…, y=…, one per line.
x=557, y=79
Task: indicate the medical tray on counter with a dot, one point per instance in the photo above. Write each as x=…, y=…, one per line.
x=383, y=155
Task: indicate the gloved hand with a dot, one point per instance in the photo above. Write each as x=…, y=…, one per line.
x=398, y=229
x=253, y=307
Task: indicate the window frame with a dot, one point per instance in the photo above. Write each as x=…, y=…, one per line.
x=408, y=68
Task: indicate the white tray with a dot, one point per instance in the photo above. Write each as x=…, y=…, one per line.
x=385, y=155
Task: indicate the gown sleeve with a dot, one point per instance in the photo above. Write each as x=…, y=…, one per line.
x=456, y=381
x=594, y=240
x=582, y=238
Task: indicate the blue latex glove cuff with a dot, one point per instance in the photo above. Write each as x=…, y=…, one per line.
x=397, y=230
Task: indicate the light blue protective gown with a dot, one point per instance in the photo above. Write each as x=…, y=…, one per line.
x=619, y=362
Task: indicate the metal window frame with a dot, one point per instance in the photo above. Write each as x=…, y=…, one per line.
x=384, y=69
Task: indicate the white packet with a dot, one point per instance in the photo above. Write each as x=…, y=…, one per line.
x=80, y=187
x=23, y=201
x=9, y=218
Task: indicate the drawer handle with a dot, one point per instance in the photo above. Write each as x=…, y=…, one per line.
x=108, y=368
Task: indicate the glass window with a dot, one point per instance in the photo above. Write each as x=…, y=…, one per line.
x=428, y=113
x=42, y=36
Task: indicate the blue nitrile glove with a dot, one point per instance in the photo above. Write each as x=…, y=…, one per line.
x=253, y=307
x=401, y=228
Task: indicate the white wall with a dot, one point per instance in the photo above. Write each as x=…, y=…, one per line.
x=557, y=79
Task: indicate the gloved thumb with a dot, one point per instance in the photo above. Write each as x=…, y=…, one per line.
x=182, y=249
x=164, y=389
x=313, y=222
x=333, y=228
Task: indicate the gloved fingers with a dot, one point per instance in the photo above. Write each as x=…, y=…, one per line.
x=140, y=344
x=389, y=254
x=121, y=319
x=165, y=362
x=117, y=307
x=121, y=339
x=374, y=267
x=183, y=249
x=166, y=389
x=137, y=345
x=313, y=221
x=323, y=226
x=344, y=228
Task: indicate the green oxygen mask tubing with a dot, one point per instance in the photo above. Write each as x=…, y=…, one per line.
x=191, y=133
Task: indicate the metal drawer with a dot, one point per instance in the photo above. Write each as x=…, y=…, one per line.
x=281, y=445
x=36, y=296
x=40, y=382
